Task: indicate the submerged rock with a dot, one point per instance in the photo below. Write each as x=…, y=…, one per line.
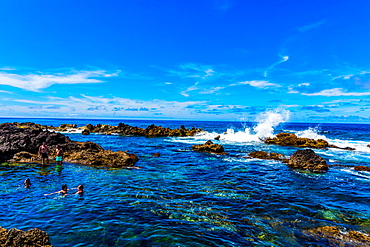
x=288, y=139
x=31, y=238
x=336, y=237
x=307, y=160
x=209, y=147
x=266, y=156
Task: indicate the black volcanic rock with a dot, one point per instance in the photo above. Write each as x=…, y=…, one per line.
x=14, y=139
x=209, y=147
x=20, y=143
x=307, y=160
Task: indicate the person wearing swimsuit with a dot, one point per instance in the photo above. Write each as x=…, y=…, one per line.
x=59, y=155
x=44, y=153
x=63, y=192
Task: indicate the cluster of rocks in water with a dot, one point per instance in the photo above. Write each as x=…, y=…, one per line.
x=305, y=159
x=127, y=130
x=16, y=238
x=20, y=143
x=289, y=139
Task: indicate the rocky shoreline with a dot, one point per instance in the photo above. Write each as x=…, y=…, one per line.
x=20, y=143
x=127, y=130
x=288, y=139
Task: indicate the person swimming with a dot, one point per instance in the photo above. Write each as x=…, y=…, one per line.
x=63, y=192
x=27, y=183
x=80, y=190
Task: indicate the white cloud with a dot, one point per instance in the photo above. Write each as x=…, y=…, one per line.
x=189, y=89
x=257, y=83
x=336, y=92
x=212, y=90
x=271, y=67
x=7, y=68
x=311, y=26
x=36, y=82
x=345, y=77
x=191, y=70
x=304, y=84
x=3, y=91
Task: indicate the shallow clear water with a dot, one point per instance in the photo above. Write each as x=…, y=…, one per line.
x=185, y=198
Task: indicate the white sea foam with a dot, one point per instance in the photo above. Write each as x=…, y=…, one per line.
x=311, y=133
x=71, y=130
x=266, y=122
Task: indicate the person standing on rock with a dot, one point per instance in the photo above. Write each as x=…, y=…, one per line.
x=59, y=155
x=44, y=153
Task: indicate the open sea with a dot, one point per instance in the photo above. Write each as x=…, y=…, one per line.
x=186, y=198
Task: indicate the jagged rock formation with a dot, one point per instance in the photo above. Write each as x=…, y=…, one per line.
x=337, y=238
x=18, y=143
x=31, y=238
x=307, y=160
x=266, y=156
x=15, y=138
x=127, y=130
x=288, y=139
x=209, y=147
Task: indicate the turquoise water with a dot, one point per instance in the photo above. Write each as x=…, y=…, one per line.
x=185, y=198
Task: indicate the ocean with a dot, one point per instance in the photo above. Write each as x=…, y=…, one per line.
x=186, y=198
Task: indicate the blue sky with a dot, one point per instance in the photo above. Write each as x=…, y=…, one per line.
x=193, y=59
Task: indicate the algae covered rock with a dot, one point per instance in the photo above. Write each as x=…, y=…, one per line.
x=336, y=237
x=307, y=160
x=31, y=238
x=288, y=139
x=105, y=158
x=266, y=156
x=24, y=157
x=209, y=147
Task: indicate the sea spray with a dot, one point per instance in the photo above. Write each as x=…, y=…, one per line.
x=266, y=122
x=311, y=133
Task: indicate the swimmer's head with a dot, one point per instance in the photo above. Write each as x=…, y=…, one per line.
x=27, y=182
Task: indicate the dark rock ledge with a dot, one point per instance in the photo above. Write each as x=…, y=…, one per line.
x=288, y=139
x=127, y=130
x=20, y=143
x=302, y=160
x=31, y=238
